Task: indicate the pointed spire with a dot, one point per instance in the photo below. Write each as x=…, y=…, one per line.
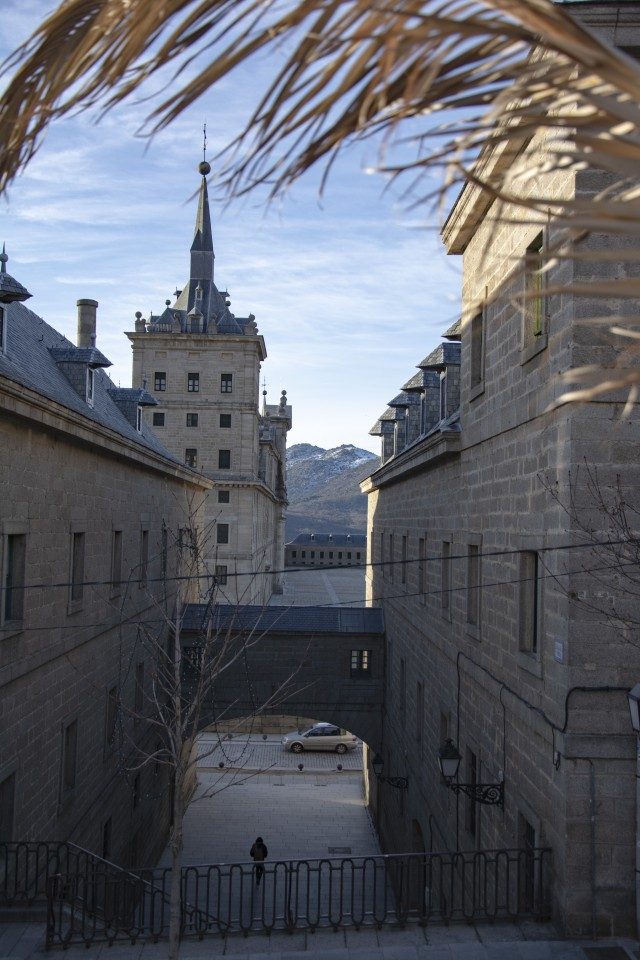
x=3, y=258
x=203, y=237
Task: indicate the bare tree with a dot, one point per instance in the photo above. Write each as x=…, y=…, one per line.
x=604, y=517
x=171, y=706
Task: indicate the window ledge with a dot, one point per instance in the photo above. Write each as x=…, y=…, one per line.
x=533, y=349
x=476, y=391
x=530, y=662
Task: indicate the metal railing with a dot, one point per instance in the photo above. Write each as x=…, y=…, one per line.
x=101, y=902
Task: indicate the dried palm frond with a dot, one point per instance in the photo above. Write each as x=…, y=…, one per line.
x=535, y=92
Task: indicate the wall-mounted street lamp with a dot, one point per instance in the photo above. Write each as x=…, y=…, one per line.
x=400, y=783
x=449, y=760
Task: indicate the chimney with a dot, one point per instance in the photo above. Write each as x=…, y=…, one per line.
x=87, y=323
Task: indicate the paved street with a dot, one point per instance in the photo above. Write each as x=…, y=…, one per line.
x=308, y=587
x=306, y=814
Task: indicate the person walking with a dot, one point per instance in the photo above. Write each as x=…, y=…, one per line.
x=259, y=854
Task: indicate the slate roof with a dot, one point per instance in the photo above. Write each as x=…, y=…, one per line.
x=454, y=332
x=133, y=395
x=72, y=354
x=444, y=354
x=330, y=540
x=404, y=400
x=304, y=620
x=416, y=382
x=28, y=361
x=376, y=429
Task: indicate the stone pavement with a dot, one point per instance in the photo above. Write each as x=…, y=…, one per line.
x=310, y=586
x=303, y=815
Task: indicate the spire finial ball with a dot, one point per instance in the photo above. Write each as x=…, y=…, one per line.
x=204, y=168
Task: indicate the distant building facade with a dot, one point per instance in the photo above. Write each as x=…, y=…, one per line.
x=326, y=549
x=91, y=514
x=496, y=637
x=201, y=364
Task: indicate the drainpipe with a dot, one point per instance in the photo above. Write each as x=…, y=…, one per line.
x=638, y=837
x=592, y=818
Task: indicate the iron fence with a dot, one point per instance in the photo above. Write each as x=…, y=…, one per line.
x=102, y=902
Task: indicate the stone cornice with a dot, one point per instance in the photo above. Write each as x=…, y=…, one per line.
x=20, y=402
x=197, y=341
x=473, y=201
x=420, y=456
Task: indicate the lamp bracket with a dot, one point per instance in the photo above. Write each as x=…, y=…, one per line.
x=400, y=783
x=491, y=794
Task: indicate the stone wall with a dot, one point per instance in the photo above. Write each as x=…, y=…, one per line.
x=59, y=663
x=566, y=755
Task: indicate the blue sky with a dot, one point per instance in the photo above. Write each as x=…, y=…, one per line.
x=349, y=292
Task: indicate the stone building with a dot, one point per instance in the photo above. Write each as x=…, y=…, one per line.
x=482, y=531
x=326, y=549
x=91, y=509
x=201, y=364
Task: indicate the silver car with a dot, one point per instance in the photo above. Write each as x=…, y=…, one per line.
x=321, y=736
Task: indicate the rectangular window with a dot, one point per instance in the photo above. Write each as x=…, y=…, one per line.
x=138, y=693
x=144, y=558
x=360, y=663
x=69, y=756
x=294, y=554
x=443, y=395
x=419, y=713
x=191, y=457
x=106, y=839
x=477, y=351
x=116, y=562
x=422, y=584
x=349, y=556
x=322, y=554
x=403, y=691
x=77, y=567
x=225, y=421
x=222, y=533
x=221, y=574
x=313, y=554
x=535, y=307
x=90, y=385
x=403, y=570
x=111, y=716
x=160, y=381
x=445, y=726
x=330, y=554
x=7, y=807
x=224, y=459
x=226, y=383
x=304, y=553
x=193, y=383
x=473, y=584
x=158, y=419
x=529, y=601
x=223, y=496
x=446, y=577
x=14, y=570
x=192, y=419
x=471, y=809
x=339, y=554
x=358, y=556
x=164, y=549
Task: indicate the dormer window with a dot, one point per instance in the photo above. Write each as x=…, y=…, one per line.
x=443, y=396
x=139, y=420
x=3, y=331
x=90, y=385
